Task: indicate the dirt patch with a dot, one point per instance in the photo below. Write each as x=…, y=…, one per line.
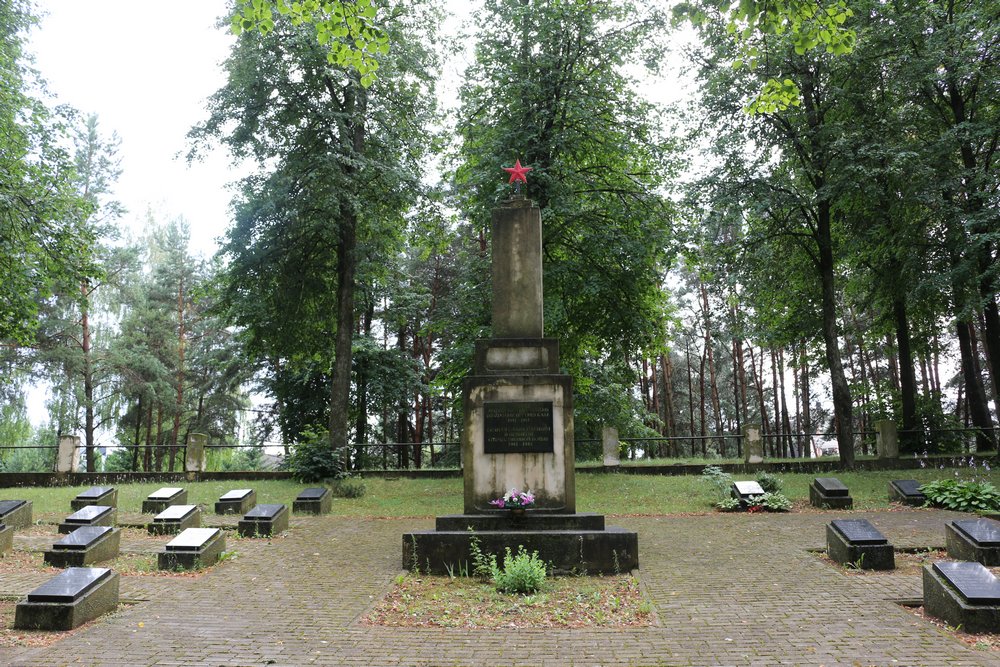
x=980, y=642
x=462, y=602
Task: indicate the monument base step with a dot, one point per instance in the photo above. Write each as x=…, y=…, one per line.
x=579, y=551
x=530, y=520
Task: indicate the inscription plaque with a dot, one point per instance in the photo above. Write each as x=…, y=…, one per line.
x=830, y=486
x=983, y=532
x=69, y=585
x=908, y=487
x=974, y=582
x=859, y=531
x=517, y=427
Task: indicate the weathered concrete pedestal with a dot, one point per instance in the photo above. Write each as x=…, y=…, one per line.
x=6, y=538
x=174, y=519
x=571, y=543
x=237, y=501
x=15, y=513
x=830, y=492
x=161, y=499
x=314, y=500
x=856, y=542
x=907, y=492
x=68, y=600
x=85, y=546
x=263, y=521
x=106, y=496
x=518, y=432
x=193, y=549
x=90, y=515
x=974, y=540
x=965, y=595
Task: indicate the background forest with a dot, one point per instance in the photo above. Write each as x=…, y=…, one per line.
x=810, y=266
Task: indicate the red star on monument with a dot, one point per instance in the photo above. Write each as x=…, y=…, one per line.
x=517, y=172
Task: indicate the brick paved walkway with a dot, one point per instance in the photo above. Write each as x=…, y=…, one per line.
x=728, y=590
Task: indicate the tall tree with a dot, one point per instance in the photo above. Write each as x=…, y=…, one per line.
x=340, y=164
x=548, y=87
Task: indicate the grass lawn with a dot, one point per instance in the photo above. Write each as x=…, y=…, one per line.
x=605, y=493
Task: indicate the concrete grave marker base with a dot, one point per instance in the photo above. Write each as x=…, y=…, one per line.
x=264, y=521
x=944, y=600
x=974, y=540
x=163, y=498
x=315, y=500
x=829, y=492
x=85, y=546
x=237, y=501
x=856, y=542
x=6, y=538
x=69, y=600
x=174, y=519
x=192, y=549
x=91, y=515
x=15, y=513
x=907, y=492
x=96, y=495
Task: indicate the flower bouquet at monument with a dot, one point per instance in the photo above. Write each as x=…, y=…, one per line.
x=514, y=500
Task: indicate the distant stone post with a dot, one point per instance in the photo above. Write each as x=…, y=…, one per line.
x=886, y=439
x=753, y=444
x=609, y=438
x=68, y=456
x=194, y=461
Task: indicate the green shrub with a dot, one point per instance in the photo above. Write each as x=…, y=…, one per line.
x=523, y=573
x=962, y=495
x=348, y=488
x=770, y=482
x=729, y=504
x=773, y=502
x=314, y=460
x=720, y=482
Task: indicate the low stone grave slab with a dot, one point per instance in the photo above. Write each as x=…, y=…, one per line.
x=857, y=542
x=963, y=594
x=84, y=546
x=161, y=499
x=906, y=491
x=6, y=538
x=831, y=493
x=237, y=501
x=96, y=495
x=174, y=519
x=91, y=515
x=316, y=500
x=744, y=491
x=15, y=513
x=974, y=540
x=192, y=549
x=68, y=600
x=263, y=520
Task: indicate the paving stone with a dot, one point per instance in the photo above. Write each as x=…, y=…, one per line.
x=729, y=589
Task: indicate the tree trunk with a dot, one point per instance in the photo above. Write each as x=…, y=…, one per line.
x=907, y=378
x=138, y=431
x=179, y=404
x=88, y=380
x=687, y=357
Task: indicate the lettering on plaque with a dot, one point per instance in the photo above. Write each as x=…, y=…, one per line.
x=517, y=427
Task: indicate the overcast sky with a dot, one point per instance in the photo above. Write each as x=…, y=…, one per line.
x=146, y=69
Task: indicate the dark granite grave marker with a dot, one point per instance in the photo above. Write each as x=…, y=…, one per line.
x=975, y=583
x=517, y=427
x=85, y=545
x=829, y=492
x=15, y=513
x=963, y=594
x=857, y=543
x=315, y=500
x=264, y=520
x=91, y=515
x=859, y=531
x=974, y=540
x=237, y=501
x=161, y=499
x=193, y=548
x=174, y=519
x=71, y=598
x=906, y=491
x=96, y=495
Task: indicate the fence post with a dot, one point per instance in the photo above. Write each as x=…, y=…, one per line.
x=609, y=438
x=194, y=459
x=753, y=444
x=68, y=456
x=886, y=439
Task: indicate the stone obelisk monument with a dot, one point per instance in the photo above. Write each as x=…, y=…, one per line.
x=518, y=430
